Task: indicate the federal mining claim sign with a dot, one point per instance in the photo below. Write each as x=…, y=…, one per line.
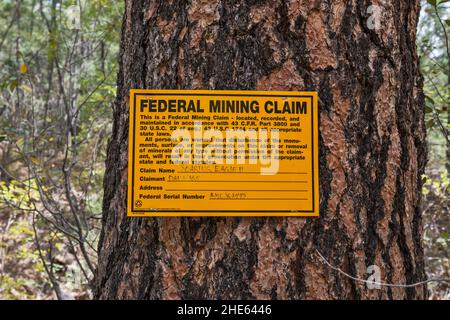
x=223, y=153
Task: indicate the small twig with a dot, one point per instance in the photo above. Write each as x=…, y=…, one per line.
x=50, y=274
x=384, y=284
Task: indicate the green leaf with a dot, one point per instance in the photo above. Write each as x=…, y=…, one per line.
x=429, y=124
x=428, y=109
x=34, y=160
x=445, y=235
x=2, y=138
x=432, y=2
x=447, y=22
x=13, y=84
x=429, y=99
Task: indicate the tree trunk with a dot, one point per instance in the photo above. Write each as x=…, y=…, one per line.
x=372, y=151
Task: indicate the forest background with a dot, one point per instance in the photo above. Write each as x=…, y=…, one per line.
x=58, y=67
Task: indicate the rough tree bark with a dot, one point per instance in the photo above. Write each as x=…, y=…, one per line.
x=372, y=151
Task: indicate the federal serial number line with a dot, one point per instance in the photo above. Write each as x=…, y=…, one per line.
x=272, y=199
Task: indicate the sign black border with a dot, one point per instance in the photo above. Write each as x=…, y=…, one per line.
x=222, y=95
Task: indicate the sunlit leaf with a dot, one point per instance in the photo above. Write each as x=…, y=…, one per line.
x=34, y=160
x=26, y=88
x=23, y=68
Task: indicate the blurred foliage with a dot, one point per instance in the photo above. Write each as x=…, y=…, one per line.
x=437, y=236
x=58, y=66
x=433, y=49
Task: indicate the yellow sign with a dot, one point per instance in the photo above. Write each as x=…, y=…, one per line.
x=223, y=153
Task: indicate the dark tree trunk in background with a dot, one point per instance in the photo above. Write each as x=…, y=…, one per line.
x=372, y=151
